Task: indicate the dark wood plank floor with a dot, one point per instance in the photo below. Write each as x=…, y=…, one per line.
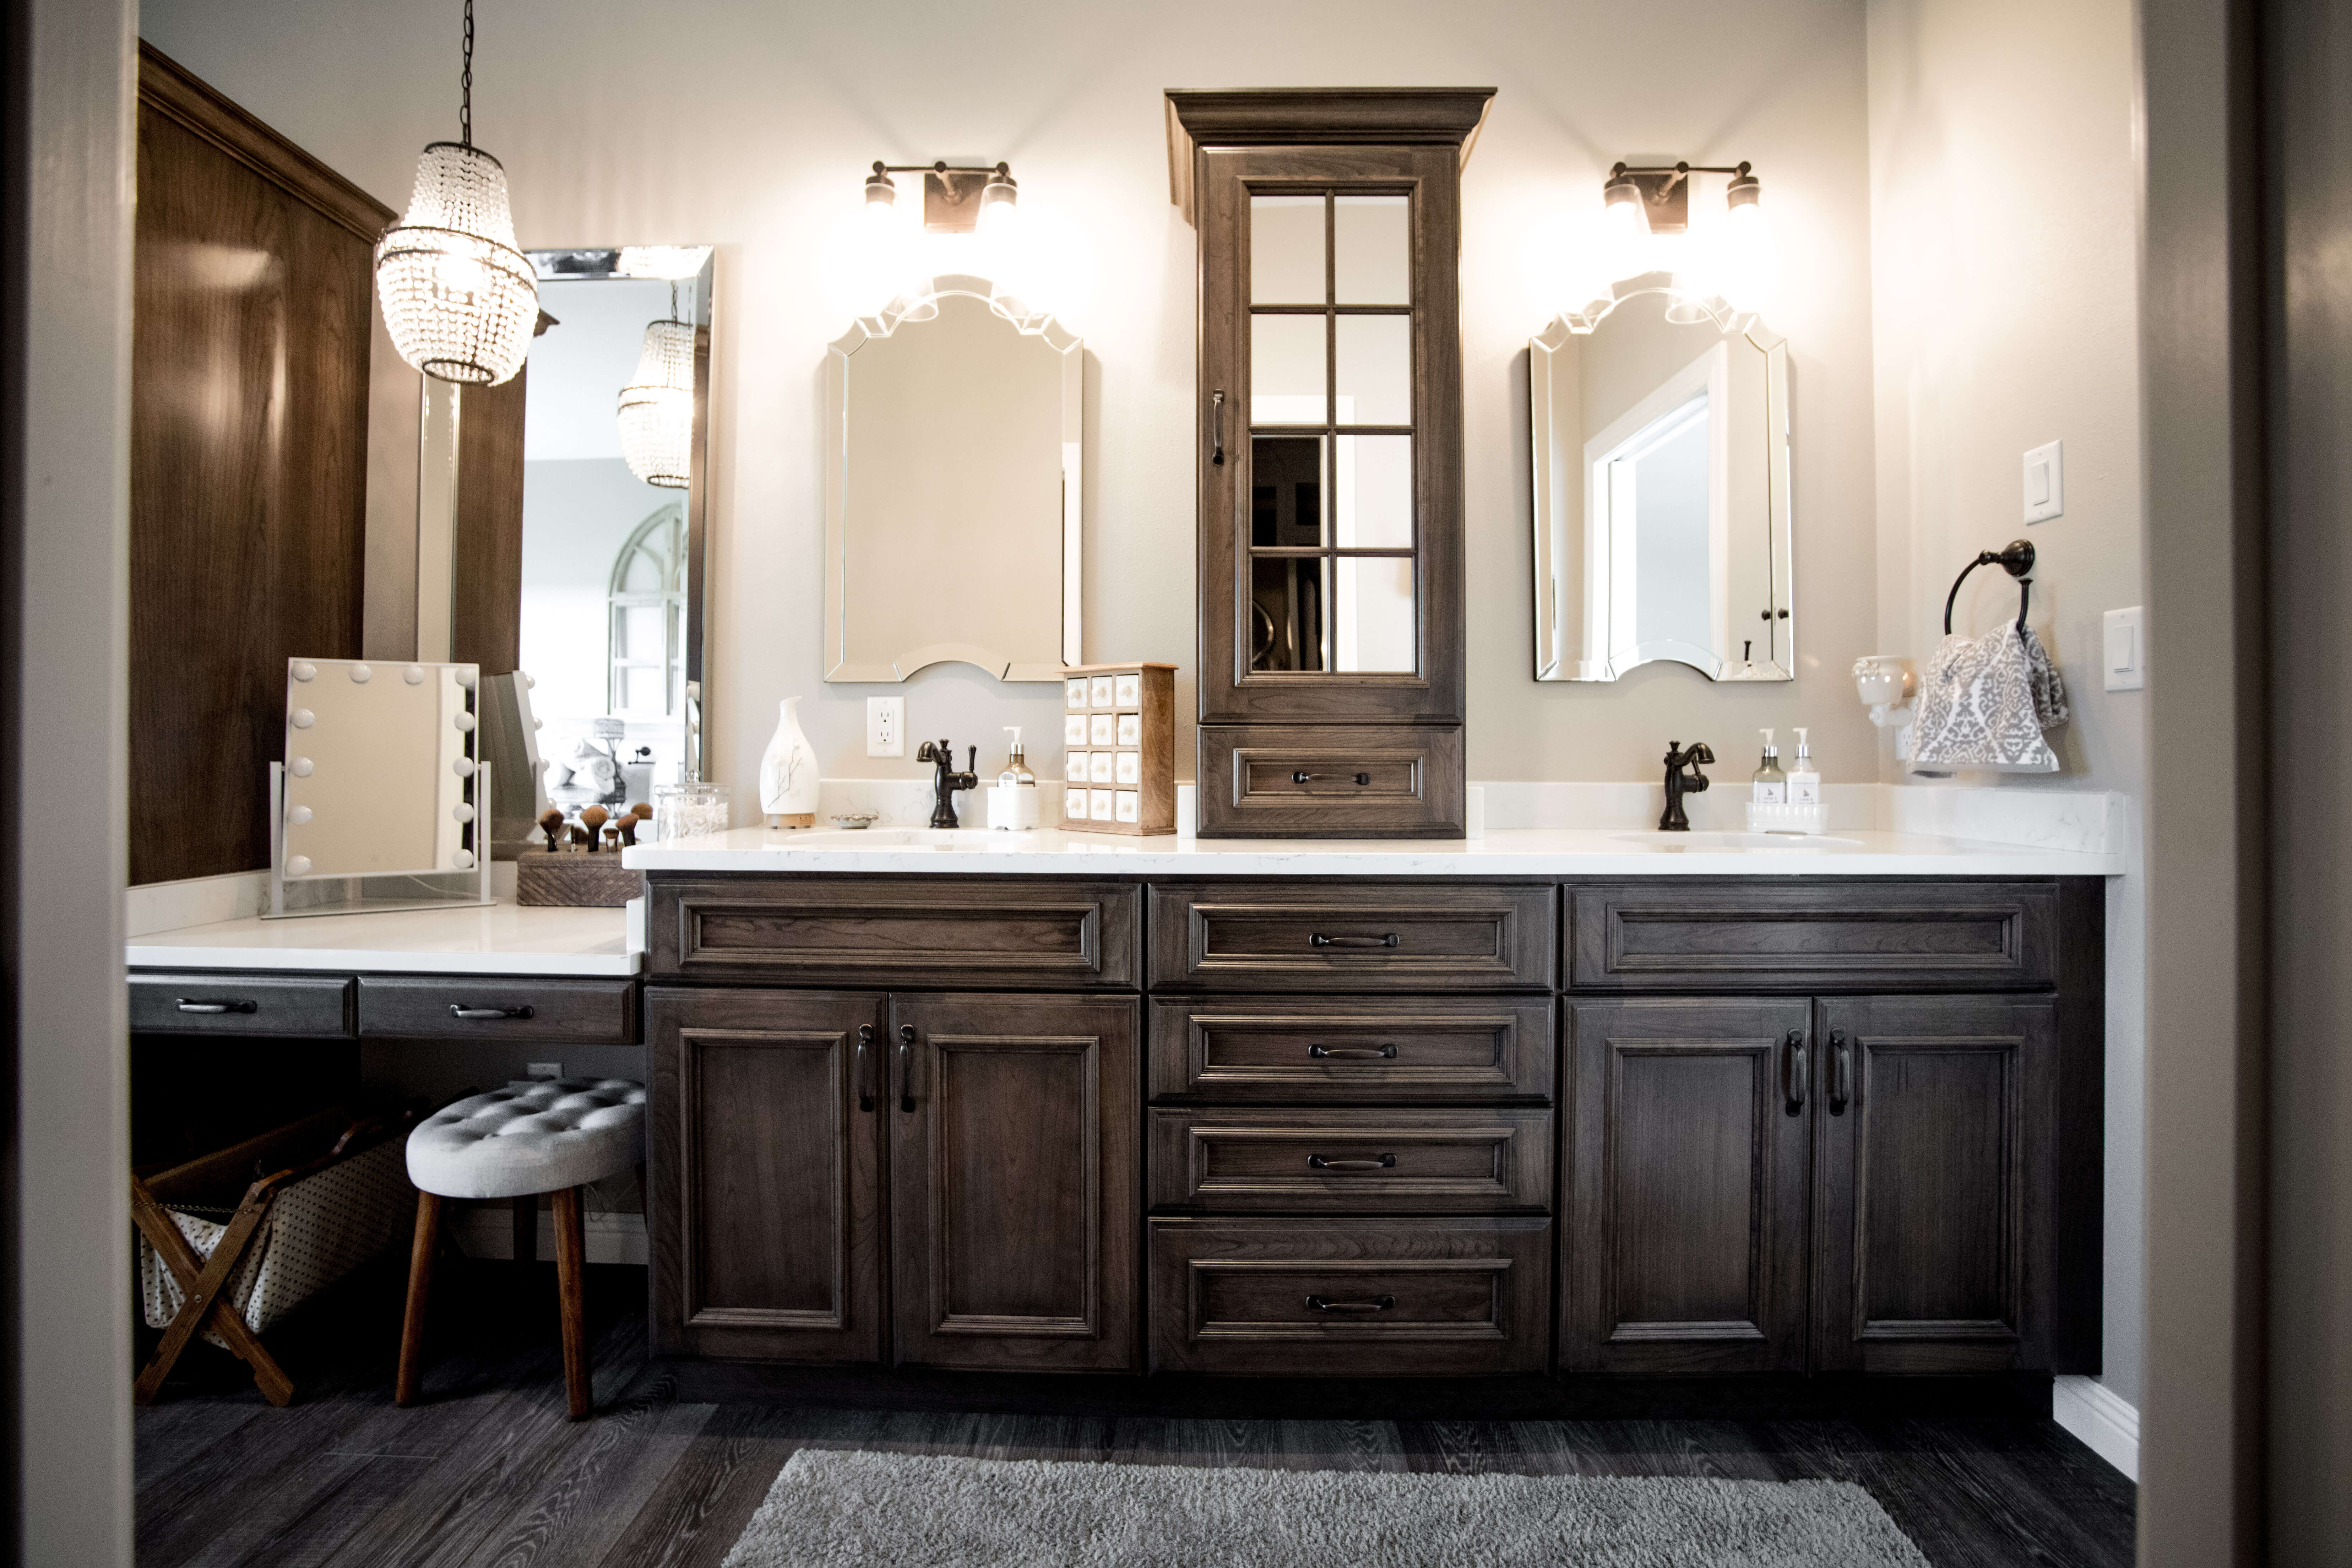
x=487, y=1470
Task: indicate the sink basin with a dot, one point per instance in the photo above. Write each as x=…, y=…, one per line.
x=967, y=838
x=1797, y=843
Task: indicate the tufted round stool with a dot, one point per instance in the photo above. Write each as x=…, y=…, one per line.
x=551, y=1135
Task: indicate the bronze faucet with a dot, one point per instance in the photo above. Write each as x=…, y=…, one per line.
x=945, y=781
x=1677, y=785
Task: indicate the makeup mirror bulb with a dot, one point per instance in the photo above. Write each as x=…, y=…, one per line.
x=462, y=813
x=299, y=815
x=462, y=768
x=300, y=866
x=463, y=720
x=302, y=718
x=361, y=675
x=305, y=670
x=300, y=767
x=463, y=860
x=414, y=674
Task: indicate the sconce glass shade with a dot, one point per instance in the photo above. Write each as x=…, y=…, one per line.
x=1748, y=261
x=1624, y=229
x=657, y=408
x=999, y=203
x=459, y=297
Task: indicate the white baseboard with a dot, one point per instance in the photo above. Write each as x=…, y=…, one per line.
x=2107, y=1423
x=487, y=1230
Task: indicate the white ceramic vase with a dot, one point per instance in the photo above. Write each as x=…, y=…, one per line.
x=788, y=772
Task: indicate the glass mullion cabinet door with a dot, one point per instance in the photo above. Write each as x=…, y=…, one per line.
x=1336, y=515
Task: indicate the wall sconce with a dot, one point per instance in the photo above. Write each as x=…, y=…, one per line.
x=969, y=224
x=1725, y=270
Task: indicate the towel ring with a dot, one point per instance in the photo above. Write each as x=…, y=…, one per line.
x=2017, y=560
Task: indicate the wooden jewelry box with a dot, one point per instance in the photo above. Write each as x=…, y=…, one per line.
x=1118, y=748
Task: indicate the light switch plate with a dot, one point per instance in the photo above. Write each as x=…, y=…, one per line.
x=886, y=726
x=2045, y=482
x=2125, y=656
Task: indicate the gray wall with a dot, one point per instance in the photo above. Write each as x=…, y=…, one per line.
x=2003, y=319
x=752, y=125
x=64, y=385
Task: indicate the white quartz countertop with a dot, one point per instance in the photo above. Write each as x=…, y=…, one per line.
x=1515, y=852
x=504, y=939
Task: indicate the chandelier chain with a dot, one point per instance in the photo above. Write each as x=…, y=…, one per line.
x=465, y=85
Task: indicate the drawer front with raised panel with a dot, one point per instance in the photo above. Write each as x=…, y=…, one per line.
x=1324, y=1050
x=499, y=1008
x=1365, y=1298
x=1360, y=1161
x=925, y=931
x=1351, y=935
x=226, y=1003
x=1682, y=936
x=1329, y=781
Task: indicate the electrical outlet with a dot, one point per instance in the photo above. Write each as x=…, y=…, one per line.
x=2045, y=482
x=886, y=726
x=544, y=1069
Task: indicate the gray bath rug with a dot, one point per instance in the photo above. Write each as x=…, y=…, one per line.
x=833, y=1509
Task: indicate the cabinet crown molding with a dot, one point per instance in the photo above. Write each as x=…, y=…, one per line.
x=1319, y=116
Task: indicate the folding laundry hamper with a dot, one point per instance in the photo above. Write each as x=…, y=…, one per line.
x=230, y=1242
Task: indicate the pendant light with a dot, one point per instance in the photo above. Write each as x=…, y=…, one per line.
x=657, y=405
x=459, y=297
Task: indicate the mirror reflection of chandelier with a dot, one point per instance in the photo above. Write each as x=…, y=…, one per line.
x=656, y=408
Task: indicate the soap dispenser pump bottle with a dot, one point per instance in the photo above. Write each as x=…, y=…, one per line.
x=1013, y=804
x=1771, y=786
x=1804, y=780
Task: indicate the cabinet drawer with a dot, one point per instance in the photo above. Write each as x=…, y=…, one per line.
x=312, y=1005
x=499, y=1008
x=1330, y=781
x=1320, y=1050
x=1351, y=936
x=1367, y=1297
x=1352, y=1161
x=932, y=931
x=1672, y=935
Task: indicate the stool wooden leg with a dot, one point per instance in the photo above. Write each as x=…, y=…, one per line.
x=571, y=1264
x=526, y=1229
x=420, y=1286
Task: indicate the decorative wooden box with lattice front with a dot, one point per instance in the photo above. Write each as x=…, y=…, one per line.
x=1118, y=748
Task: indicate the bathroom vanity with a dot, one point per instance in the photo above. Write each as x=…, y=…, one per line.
x=1600, y=1104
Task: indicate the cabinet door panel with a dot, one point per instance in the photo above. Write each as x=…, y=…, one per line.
x=764, y=1179
x=1934, y=1123
x=1015, y=1189
x=1684, y=1246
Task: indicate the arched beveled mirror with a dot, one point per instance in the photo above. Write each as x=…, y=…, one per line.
x=1660, y=451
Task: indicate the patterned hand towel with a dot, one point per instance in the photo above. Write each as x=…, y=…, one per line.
x=1984, y=704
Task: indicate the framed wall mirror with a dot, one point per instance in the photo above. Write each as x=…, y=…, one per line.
x=953, y=452
x=1661, y=494
x=614, y=500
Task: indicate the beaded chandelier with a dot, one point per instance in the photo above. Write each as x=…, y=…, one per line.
x=459, y=297
x=657, y=408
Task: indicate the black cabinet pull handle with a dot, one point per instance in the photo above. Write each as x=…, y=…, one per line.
x=1217, y=428
x=1324, y=1304
x=864, y=1066
x=189, y=1005
x=1353, y=1053
x=1317, y=938
x=1303, y=777
x=906, y=1066
x=1793, y=1083
x=459, y=1010
x=1842, y=1073
x=1317, y=1163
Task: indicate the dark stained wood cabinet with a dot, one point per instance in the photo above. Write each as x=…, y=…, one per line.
x=1330, y=466
x=1936, y=1124
x=1393, y=1127
x=1689, y=1173
x=765, y=1154
x=969, y=1160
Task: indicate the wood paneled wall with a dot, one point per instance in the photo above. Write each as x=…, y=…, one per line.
x=248, y=440
x=485, y=542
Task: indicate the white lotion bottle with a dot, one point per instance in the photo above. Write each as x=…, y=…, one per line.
x=1771, y=786
x=1013, y=804
x=1804, y=781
